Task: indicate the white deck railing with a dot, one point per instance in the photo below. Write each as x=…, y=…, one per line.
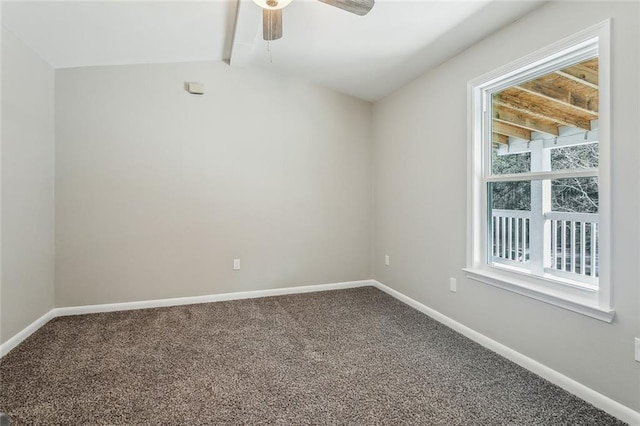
x=574, y=242
x=511, y=235
x=573, y=245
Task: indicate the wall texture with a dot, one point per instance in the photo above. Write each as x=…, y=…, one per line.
x=26, y=290
x=158, y=190
x=420, y=181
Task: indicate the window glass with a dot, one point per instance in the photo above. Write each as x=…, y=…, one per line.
x=510, y=195
x=575, y=157
x=545, y=125
x=576, y=195
x=504, y=164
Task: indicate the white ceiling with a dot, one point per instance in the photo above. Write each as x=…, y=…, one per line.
x=367, y=57
x=87, y=33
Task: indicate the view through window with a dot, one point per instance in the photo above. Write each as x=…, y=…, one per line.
x=542, y=191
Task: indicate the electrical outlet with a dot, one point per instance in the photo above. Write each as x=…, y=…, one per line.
x=236, y=264
x=638, y=349
x=453, y=285
x=386, y=260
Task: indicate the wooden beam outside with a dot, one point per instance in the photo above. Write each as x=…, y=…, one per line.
x=546, y=112
x=583, y=74
x=577, y=79
x=521, y=120
x=561, y=96
x=511, y=130
x=500, y=139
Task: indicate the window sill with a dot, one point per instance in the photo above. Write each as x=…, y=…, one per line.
x=571, y=302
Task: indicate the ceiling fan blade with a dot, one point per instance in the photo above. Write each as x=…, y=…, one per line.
x=271, y=24
x=359, y=7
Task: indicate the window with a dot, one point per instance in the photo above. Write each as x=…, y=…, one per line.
x=539, y=145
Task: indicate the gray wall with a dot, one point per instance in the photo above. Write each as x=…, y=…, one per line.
x=157, y=190
x=26, y=289
x=420, y=181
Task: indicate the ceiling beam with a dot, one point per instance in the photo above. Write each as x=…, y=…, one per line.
x=507, y=129
x=577, y=79
x=245, y=34
x=511, y=116
x=500, y=139
x=561, y=96
x=560, y=116
x=583, y=74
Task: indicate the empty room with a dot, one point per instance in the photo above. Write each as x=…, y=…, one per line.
x=327, y=212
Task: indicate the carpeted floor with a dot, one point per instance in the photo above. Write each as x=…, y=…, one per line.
x=353, y=356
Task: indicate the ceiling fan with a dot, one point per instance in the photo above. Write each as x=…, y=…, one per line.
x=272, y=13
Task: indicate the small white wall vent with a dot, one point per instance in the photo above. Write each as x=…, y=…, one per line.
x=195, y=88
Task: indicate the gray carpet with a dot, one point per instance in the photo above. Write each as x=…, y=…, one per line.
x=353, y=356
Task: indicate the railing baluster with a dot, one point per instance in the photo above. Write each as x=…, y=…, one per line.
x=554, y=244
x=517, y=239
x=497, y=236
x=493, y=235
x=594, y=230
x=559, y=257
x=583, y=239
x=563, y=247
x=514, y=224
x=525, y=239
x=572, y=244
x=504, y=237
x=510, y=235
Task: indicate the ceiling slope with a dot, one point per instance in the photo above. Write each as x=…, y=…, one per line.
x=369, y=57
x=364, y=56
x=90, y=33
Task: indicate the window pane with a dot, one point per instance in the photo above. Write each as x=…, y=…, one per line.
x=575, y=157
x=556, y=112
x=577, y=195
x=510, y=195
x=509, y=222
x=502, y=164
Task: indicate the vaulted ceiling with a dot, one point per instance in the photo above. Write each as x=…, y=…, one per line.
x=364, y=56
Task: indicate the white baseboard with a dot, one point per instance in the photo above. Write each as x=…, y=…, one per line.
x=159, y=303
x=600, y=401
x=26, y=332
x=597, y=399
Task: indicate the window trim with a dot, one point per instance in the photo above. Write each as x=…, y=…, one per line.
x=597, y=304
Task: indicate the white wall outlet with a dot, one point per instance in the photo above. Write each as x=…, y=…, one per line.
x=453, y=285
x=638, y=349
x=236, y=264
x=386, y=260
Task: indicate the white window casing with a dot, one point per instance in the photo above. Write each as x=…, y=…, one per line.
x=582, y=297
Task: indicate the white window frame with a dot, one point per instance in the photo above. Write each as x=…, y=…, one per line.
x=591, y=301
